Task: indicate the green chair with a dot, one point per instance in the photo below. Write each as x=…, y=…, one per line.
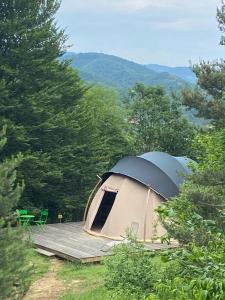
x=43, y=218
x=21, y=213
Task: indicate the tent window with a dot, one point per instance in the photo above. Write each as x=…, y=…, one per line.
x=104, y=210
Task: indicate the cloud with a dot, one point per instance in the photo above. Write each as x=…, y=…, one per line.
x=130, y=6
x=181, y=25
x=157, y=31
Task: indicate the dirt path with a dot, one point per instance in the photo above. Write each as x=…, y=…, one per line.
x=48, y=287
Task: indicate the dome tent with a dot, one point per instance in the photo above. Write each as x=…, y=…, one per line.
x=131, y=191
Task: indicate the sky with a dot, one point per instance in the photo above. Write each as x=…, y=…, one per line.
x=167, y=32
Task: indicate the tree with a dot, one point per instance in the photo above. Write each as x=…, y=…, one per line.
x=202, y=198
x=210, y=149
x=102, y=138
x=208, y=98
x=157, y=123
x=14, y=272
x=37, y=95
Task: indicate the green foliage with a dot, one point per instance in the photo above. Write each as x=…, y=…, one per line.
x=10, y=191
x=157, y=123
x=121, y=74
x=102, y=128
x=10, y=194
x=129, y=271
x=208, y=98
x=196, y=218
x=67, y=132
x=200, y=273
x=95, y=294
x=91, y=272
x=14, y=272
x=40, y=264
x=210, y=149
x=99, y=138
x=185, y=73
x=85, y=281
x=37, y=94
x=203, y=103
x=198, y=212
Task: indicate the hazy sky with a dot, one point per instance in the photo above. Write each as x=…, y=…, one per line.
x=170, y=32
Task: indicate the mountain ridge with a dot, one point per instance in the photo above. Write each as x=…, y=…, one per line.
x=185, y=73
x=119, y=73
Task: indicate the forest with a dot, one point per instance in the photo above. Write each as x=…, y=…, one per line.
x=121, y=74
x=58, y=133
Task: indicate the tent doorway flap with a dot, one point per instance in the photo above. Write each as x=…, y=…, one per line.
x=103, y=210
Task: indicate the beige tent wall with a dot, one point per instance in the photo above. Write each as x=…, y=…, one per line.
x=112, y=183
x=134, y=203
x=154, y=229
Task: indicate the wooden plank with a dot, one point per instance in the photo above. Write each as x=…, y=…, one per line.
x=44, y=252
x=67, y=248
x=63, y=255
x=89, y=241
x=90, y=248
x=70, y=241
x=61, y=248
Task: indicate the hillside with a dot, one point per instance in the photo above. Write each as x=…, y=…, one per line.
x=118, y=73
x=182, y=72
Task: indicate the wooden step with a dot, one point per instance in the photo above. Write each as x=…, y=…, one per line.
x=44, y=252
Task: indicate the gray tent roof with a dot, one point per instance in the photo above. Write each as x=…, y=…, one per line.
x=160, y=171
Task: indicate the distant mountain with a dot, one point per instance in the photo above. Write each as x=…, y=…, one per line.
x=185, y=73
x=118, y=73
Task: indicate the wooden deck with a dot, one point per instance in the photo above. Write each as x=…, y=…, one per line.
x=69, y=241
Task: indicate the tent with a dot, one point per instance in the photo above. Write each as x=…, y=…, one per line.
x=131, y=191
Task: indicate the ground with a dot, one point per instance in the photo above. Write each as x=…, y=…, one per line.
x=56, y=279
x=48, y=287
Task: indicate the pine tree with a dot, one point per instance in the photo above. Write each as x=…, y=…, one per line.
x=14, y=271
x=208, y=98
x=37, y=95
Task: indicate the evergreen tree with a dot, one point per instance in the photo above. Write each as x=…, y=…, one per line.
x=37, y=95
x=14, y=272
x=208, y=98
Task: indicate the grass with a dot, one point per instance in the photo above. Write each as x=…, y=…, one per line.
x=86, y=282
x=81, y=282
x=39, y=264
x=96, y=294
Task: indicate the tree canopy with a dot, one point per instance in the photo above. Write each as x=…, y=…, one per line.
x=38, y=93
x=208, y=97
x=157, y=122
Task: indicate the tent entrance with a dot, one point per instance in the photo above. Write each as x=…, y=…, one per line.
x=103, y=210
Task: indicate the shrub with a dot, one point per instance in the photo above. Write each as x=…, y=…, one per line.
x=129, y=271
x=14, y=272
x=200, y=273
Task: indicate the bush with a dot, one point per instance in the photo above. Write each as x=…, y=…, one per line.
x=199, y=273
x=199, y=211
x=129, y=271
